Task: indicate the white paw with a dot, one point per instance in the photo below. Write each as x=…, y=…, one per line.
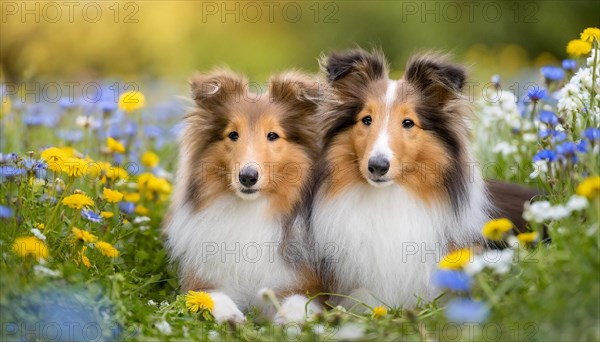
x=293, y=310
x=225, y=309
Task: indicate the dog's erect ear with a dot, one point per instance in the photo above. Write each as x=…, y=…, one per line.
x=300, y=91
x=367, y=66
x=213, y=88
x=435, y=77
x=349, y=73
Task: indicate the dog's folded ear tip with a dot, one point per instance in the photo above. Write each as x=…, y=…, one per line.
x=294, y=86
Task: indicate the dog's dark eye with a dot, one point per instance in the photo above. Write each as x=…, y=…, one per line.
x=407, y=123
x=234, y=136
x=367, y=120
x=272, y=136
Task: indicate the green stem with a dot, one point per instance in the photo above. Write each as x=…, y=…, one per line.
x=533, y=113
x=59, y=204
x=335, y=295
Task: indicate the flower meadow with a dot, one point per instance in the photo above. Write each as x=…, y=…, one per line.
x=84, y=186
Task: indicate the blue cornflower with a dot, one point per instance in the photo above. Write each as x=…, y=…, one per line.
x=115, y=131
x=47, y=198
x=583, y=146
x=91, y=216
x=545, y=133
x=131, y=128
x=152, y=131
x=5, y=212
x=8, y=158
x=452, y=280
x=107, y=105
x=34, y=164
x=33, y=120
x=67, y=103
x=592, y=134
x=549, y=118
x=547, y=155
x=9, y=171
x=536, y=94
x=566, y=149
x=552, y=73
x=38, y=167
x=71, y=136
x=464, y=310
x=569, y=64
x=118, y=159
x=557, y=136
x=37, y=115
x=127, y=207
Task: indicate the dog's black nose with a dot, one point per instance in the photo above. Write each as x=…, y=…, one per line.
x=248, y=176
x=378, y=166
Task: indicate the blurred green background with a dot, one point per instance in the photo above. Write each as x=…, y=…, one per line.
x=171, y=39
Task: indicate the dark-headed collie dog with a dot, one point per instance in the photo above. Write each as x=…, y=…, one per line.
x=235, y=225
x=400, y=186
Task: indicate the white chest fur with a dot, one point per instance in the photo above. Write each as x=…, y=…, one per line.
x=233, y=245
x=388, y=241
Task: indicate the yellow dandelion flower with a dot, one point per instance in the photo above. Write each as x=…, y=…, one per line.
x=84, y=235
x=112, y=196
x=78, y=201
x=107, y=214
x=30, y=245
x=69, y=151
x=455, y=260
x=196, y=301
x=107, y=249
x=150, y=159
x=590, y=34
x=84, y=259
x=160, y=185
x=152, y=185
x=74, y=167
x=143, y=179
x=39, y=226
x=53, y=154
x=54, y=157
x=578, y=47
x=114, y=145
x=132, y=197
x=93, y=169
x=379, y=311
x=495, y=229
x=104, y=166
x=141, y=210
x=116, y=172
x=590, y=187
x=132, y=100
x=527, y=238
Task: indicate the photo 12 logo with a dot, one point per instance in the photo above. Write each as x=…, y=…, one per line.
x=269, y=11
x=69, y=11
x=469, y=11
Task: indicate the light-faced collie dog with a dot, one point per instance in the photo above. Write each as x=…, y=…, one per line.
x=400, y=186
x=237, y=222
